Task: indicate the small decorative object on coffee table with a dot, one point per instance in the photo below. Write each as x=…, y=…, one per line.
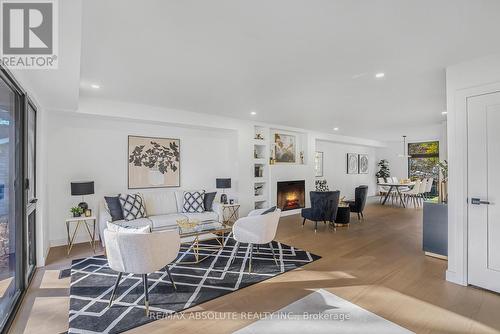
x=81, y=221
x=184, y=223
x=230, y=213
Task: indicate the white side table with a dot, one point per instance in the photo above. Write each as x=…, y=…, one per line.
x=81, y=221
x=230, y=213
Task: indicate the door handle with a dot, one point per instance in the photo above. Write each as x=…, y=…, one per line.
x=477, y=201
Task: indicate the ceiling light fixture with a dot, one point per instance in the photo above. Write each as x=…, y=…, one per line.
x=253, y=113
x=444, y=113
x=379, y=75
x=95, y=86
x=404, y=155
x=335, y=129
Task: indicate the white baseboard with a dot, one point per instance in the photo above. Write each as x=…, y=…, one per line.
x=78, y=239
x=452, y=277
x=290, y=212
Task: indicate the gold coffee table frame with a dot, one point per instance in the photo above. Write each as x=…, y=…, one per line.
x=196, y=232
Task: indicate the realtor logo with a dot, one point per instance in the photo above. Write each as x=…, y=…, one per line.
x=29, y=34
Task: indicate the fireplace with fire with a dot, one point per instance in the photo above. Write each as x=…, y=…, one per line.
x=291, y=195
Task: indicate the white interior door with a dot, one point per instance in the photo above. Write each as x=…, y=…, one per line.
x=483, y=113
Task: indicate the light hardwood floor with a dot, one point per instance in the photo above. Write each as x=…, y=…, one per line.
x=376, y=263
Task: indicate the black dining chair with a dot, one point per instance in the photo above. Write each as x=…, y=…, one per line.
x=358, y=205
x=324, y=205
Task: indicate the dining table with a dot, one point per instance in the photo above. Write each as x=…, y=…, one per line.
x=397, y=187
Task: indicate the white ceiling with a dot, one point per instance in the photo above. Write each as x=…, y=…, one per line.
x=59, y=89
x=307, y=63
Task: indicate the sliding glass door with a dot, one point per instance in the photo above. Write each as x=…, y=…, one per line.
x=17, y=195
x=30, y=189
x=11, y=196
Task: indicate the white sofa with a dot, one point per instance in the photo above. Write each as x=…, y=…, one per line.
x=164, y=208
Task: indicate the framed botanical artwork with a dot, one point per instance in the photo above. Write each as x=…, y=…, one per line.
x=153, y=162
x=352, y=163
x=318, y=164
x=363, y=163
x=284, y=148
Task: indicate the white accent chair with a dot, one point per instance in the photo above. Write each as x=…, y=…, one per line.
x=428, y=189
x=414, y=193
x=394, y=194
x=141, y=254
x=256, y=229
x=383, y=190
x=423, y=188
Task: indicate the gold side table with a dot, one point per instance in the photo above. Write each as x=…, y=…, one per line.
x=81, y=221
x=230, y=213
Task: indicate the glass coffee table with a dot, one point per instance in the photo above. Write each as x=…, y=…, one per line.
x=193, y=236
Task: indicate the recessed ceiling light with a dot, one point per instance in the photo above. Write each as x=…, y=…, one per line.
x=335, y=129
x=95, y=86
x=253, y=113
x=379, y=75
x=444, y=112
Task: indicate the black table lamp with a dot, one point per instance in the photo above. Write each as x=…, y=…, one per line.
x=223, y=184
x=82, y=189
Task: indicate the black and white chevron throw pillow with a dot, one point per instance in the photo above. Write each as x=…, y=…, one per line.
x=132, y=206
x=193, y=201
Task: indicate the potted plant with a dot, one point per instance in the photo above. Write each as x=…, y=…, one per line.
x=384, y=170
x=76, y=211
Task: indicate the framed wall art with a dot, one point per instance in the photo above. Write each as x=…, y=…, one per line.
x=363, y=164
x=352, y=163
x=318, y=164
x=285, y=150
x=153, y=162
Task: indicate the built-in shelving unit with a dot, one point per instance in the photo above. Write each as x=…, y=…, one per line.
x=261, y=167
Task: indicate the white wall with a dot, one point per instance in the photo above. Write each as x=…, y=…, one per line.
x=90, y=144
x=480, y=76
x=398, y=166
x=88, y=147
x=335, y=165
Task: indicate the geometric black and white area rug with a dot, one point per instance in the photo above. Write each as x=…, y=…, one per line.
x=92, y=282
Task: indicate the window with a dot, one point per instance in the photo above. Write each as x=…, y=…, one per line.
x=422, y=162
